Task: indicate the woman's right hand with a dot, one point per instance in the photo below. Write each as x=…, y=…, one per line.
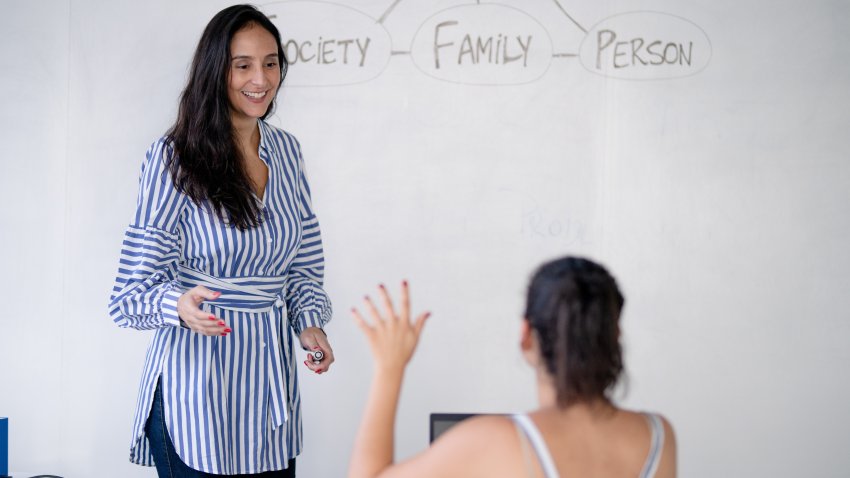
x=392, y=334
x=189, y=310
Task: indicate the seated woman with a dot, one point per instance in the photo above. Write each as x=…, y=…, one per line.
x=570, y=336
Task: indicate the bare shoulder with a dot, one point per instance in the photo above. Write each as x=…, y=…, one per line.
x=479, y=446
x=485, y=424
x=478, y=437
x=667, y=466
x=634, y=430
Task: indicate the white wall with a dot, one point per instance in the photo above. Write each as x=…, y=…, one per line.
x=33, y=121
x=718, y=199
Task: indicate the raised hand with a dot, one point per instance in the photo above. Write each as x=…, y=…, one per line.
x=392, y=335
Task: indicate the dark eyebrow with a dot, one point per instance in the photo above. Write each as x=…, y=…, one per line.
x=249, y=57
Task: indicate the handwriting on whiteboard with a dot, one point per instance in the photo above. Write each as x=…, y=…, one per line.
x=329, y=44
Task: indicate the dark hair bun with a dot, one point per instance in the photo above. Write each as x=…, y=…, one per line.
x=574, y=305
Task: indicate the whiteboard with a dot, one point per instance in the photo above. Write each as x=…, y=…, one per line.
x=698, y=149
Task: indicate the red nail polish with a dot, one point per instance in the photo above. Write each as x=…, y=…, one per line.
x=224, y=335
x=212, y=317
x=381, y=286
x=228, y=330
x=220, y=322
x=404, y=283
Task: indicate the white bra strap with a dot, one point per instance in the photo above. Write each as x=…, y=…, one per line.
x=538, y=444
x=655, y=446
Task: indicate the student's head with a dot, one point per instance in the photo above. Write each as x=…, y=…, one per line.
x=239, y=56
x=573, y=309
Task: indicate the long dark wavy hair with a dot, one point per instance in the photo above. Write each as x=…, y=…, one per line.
x=574, y=305
x=209, y=167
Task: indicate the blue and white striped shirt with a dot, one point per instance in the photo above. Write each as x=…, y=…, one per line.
x=231, y=404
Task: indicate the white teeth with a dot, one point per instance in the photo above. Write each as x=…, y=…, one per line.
x=258, y=95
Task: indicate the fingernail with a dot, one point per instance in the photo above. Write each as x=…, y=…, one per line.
x=404, y=282
x=220, y=322
x=216, y=293
x=365, y=297
x=228, y=330
x=224, y=335
x=212, y=317
x=381, y=286
x=316, y=348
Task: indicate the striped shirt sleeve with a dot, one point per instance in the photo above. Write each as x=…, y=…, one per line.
x=145, y=292
x=306, y=300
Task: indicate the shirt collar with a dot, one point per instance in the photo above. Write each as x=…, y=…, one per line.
x=264, y=136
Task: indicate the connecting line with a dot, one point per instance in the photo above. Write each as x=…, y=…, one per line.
x=564, y=55
x=396, y=52
x=568, y=16
x=387, y=13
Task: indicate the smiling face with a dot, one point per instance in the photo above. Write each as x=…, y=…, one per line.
x=254, y=73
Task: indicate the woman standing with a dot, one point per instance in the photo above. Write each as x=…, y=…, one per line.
x=223, y=260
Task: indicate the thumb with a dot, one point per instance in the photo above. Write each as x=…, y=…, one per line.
x=308, y=341
x=201, y=293
x=420, y=323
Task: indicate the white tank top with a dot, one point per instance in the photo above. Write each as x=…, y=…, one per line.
x=548, y=465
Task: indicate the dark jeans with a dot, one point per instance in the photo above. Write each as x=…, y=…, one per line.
x=169, y=464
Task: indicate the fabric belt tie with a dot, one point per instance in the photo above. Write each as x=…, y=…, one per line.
x=253, y=295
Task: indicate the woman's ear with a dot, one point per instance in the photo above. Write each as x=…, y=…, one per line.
x=528, y=343
x=524, y=335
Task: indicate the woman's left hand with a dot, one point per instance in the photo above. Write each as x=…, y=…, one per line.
x=315, y=340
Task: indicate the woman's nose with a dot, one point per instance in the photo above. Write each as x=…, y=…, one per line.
x=258, y=76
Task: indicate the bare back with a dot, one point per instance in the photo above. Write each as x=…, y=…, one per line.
x=611, y=444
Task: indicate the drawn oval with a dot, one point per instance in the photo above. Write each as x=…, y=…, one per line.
x=482, y=44
x=328, y=44
x=645, y=46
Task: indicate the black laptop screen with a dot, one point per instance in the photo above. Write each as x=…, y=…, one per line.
x=441, y=422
